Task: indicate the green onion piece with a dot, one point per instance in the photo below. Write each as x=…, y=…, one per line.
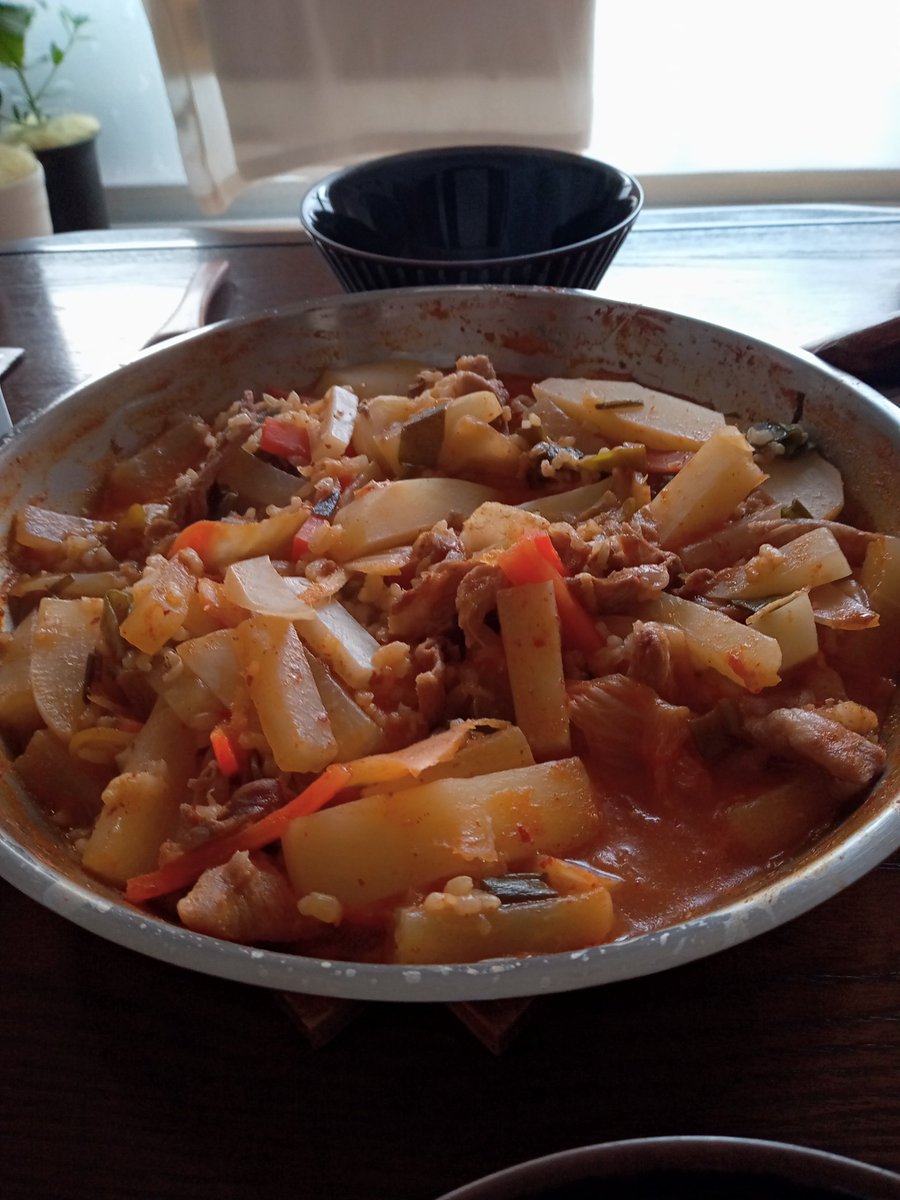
x=791, y=438
x=605, y=405
x=116, y=607
x=632, y=457
x=795, y=511
x=753, y=605
x=93, y=671
x=421, y=438
x=519, y=889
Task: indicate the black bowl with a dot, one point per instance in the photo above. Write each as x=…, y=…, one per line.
x=477, y=214
x=687, y=1168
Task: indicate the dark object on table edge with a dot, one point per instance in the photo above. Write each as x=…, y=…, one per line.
x=871, y=353
x=476, y=214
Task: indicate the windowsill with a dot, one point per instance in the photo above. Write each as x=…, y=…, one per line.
x=275, y=202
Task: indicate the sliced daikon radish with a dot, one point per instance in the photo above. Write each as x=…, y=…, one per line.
x=808, y=479
x=64, y=636
x=629, y=412
x=254, y=584
x=391, y=514
x=336, y=428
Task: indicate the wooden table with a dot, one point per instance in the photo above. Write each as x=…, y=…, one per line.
x=122, y=1078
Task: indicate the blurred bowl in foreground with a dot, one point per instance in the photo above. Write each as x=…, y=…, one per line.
x=687, y=1168
x=476, y=214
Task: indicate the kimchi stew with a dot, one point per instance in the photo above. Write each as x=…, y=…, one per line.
x=430, y=665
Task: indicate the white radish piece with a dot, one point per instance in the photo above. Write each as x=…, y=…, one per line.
x=254, y=584
x=64, y=636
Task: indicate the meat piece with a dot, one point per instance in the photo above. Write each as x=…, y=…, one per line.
x=428, y=607
x=431, y=680
x=574, y=551
x=632, y=549
x=620, y=590
x=476, y=598
x=433, y=546
x=218, y=810
x=479, y=363
x=659, y=657
x=481, y=684
x=696, y=583
x=245, y=900
x=473, y=374
x=803, y=733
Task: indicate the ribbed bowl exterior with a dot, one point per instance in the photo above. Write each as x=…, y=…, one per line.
x=581, y=266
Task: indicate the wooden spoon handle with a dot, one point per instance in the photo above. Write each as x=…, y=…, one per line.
x=871, y=353
x=194, y=303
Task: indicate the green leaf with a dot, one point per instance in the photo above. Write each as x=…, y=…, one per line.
x=56, y=54
x=14, y=22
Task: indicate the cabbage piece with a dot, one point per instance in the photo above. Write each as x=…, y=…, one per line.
x=354, y=731
x=498, y=525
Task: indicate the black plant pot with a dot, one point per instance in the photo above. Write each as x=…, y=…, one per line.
x=74, y=188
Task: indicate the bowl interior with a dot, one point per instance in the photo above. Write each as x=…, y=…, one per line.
x=687, y=1168
x=471, y=204
x=531, y=331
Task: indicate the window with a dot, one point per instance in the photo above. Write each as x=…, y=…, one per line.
x=704, y=101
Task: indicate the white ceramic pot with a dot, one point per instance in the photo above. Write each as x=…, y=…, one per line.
x=24, y=209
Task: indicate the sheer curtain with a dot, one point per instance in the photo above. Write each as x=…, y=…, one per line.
x=264, y=89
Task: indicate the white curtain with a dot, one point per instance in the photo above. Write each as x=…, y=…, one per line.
x=267, y=87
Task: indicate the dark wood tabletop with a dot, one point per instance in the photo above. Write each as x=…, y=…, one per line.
x=122, y=1078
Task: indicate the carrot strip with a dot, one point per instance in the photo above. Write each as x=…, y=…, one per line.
x=228, y=753
x=284, y=440
x=184, y=871
x=535, y=560
x=194, y=537
x=305, y=534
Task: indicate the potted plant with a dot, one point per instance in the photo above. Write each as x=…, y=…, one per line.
x=64, y=142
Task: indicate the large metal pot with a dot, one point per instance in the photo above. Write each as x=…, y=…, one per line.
x=56, y=457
